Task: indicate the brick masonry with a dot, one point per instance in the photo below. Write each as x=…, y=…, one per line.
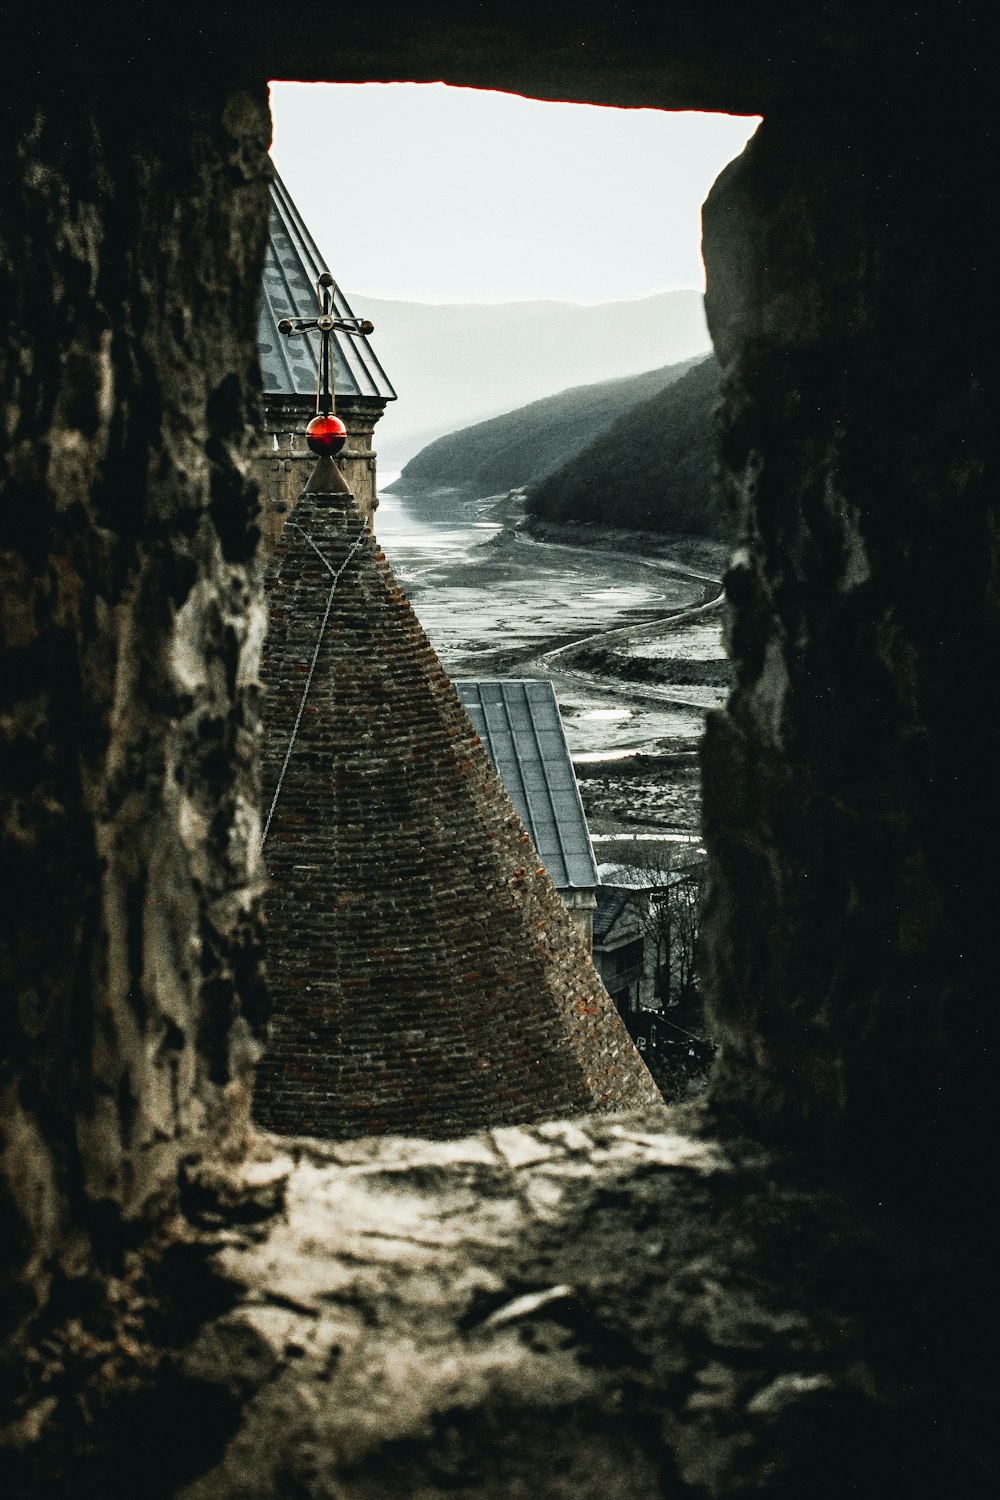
x=426, y=976
x=283, y=463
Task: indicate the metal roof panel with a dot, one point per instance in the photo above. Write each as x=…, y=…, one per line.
x=519, y=722
x=611, y=902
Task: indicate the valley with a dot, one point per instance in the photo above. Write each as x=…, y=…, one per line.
x=627, y=634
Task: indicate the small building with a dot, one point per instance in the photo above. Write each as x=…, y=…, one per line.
x=290, y=373
x=519, y=722
x=645, y=950
x=624, y=956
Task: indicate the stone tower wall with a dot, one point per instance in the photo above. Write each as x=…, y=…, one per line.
x=282, y=463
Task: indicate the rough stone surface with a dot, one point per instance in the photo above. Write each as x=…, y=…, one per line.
x=758, y=55
x=850, y=792
x=426, y=976
x=604, y=1309
x=130, y=630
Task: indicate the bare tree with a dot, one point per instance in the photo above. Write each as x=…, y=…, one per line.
x=665, y=902
x=683, y=921
x=666, y=880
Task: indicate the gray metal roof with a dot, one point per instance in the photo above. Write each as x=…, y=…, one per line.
x=290, y=366
x=611, y=902
x=519, y=723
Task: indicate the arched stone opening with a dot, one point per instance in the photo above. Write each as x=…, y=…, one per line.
x=850, y=791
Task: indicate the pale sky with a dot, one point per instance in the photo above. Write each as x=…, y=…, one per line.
x=436, y=194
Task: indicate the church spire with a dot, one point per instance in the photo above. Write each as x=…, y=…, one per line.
x=427, y=977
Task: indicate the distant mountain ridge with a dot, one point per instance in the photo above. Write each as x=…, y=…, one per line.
x=523, y=446
x=453, y=365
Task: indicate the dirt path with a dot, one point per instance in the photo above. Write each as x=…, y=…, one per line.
x=653, y=630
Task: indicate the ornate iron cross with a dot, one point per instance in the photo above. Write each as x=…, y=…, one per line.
x=325, y=433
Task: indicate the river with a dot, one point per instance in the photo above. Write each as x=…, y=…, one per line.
x=493, y=603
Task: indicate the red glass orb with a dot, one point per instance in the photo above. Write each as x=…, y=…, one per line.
x=326, y=435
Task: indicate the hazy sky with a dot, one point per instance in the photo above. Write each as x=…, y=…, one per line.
x=438, y=194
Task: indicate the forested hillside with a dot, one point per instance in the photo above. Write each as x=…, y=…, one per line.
x=523, y=446
x=456, y=365
x=652, y=469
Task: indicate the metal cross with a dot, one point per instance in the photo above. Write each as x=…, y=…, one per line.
x=327, y=325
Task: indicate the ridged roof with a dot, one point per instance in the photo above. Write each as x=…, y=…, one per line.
x=290, y=366
x=611, y=902
x=427, y=978
x=519, y=722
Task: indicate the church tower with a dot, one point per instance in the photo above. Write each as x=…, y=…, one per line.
x=290, y=373
x=427, y=977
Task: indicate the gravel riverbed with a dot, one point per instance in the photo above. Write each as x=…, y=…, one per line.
x=497, y=602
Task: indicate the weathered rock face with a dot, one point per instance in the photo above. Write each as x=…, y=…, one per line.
x=576, y=1311
x=850, y=790
x=130, y=631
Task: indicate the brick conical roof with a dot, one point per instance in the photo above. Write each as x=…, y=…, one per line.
x=426, y=975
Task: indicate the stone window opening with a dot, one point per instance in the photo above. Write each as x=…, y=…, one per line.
x=810, y=1252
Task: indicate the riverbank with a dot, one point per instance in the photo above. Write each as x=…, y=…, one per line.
x=701, y=554
x=501, y=600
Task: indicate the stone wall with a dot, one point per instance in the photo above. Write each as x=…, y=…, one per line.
x=850, y=789
x=283, y=463
x=131, y=959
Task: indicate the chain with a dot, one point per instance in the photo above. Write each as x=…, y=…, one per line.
x=335, y=574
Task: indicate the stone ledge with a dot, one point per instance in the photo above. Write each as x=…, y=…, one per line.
x=593, y=1308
